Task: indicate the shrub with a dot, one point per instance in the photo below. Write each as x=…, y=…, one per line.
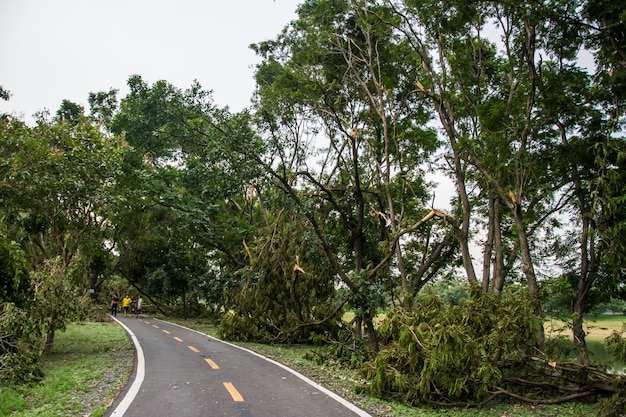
x=443, y=353
x=21, y=343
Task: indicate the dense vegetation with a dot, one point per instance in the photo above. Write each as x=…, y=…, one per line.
x=321, y=198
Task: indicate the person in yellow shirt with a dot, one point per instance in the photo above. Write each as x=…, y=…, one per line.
x=126, y=305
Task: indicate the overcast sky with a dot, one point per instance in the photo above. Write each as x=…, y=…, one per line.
x=64, y=49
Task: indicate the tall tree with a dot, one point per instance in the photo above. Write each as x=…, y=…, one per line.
x=520, y=112
x=488, y=104
x=56, y=179
x=182, y=188
x=338, y=76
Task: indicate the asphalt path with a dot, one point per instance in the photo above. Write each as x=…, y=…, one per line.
x=183, y=373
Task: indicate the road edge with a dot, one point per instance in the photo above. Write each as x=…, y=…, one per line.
x=140, y=372
x=331, y=394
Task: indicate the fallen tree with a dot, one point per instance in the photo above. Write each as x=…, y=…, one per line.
x=483, y=348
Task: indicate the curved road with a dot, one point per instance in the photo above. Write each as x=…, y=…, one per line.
x=183, y=373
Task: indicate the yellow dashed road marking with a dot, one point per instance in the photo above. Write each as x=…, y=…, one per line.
x=193, y=349
x=233, y=392
x=155, y=326
x=178, y=339
x=211, y=363
x=166, y=332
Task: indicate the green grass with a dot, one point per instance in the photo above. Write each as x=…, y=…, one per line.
x=597, y=329
x=90, y=363
x=599, y=355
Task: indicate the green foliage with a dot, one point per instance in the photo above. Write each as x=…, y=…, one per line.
x=616, y=344
x=28, y=331
x=612, y=407
x=103, y=105
x=348, y=350
x=20, y=346
x=451, y=353
x=57, y=301
x=56, y=182
x=69, y=112
x=14, y=281
x=180, y=210
x=613, y=305
x=286, y=295
x=91, y=364
x=4, y=94
x=238, y=328
x=557, y=294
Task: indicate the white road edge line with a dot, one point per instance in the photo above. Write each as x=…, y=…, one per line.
x=315, y=385
x=121, y=408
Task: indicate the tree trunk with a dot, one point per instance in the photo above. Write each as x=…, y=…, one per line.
x=489, y=242
x=579, y=332
x=587, y=252
x=498, y=269
x=465, y=221
x=371, y=332
x=402, y=269
x=358, y=326
x=527, y=268
x=49, y=345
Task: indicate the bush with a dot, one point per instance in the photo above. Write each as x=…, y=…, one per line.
x=616, y=345
x=443, y=353
x=21, y=344
x=235, y=328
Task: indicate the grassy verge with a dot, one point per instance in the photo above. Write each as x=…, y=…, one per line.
x=90, y=364
x=343, y=381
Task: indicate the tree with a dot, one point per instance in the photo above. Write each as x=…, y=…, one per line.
x=287, y=292
x=339, y=74
x=589, y=120
x=57, y=299
x=182, y=190
x=605, y=37
x=69, y=112
x=508, y=118
x=103, y=106
x=56, y=179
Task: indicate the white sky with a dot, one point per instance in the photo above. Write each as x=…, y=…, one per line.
x=64, y=49
x=52, y=50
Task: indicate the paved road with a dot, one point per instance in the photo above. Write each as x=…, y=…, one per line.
x=183, y=373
